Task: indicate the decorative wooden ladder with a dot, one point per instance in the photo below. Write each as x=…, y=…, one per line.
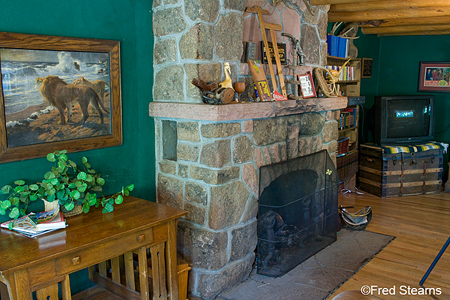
x=271, y=27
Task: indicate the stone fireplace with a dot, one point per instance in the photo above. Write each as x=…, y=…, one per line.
x=208, y=162
x=208, y=158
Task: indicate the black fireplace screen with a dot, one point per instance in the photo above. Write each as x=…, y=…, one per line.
x=298, y=211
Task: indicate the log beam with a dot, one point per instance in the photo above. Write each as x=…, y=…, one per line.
x=440, y=32
x=388, y=4
x=326, y=2
x=388, y=14
x=406, y=29
x=411, y=21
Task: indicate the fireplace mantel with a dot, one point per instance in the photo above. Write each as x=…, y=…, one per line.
x=244, y=111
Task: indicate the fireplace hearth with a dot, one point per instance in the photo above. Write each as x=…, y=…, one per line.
x=298, y=212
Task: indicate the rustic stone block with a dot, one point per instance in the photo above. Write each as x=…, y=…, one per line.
x=196, y=214
x=322, y=25
x=202, y=10
x=250, y=177
x=168, y=167
x=269, y=131
x=197, y=43
x=202, y=248
x=188, y=131
x=242, y=149
x=188, y=152
x=310, y=44
x=311, y=124
x=247, y=126
x=197, y=193
x=251, y=209
x=305, y=145
x=330, y=131
x=160, y=25
x=313, y=18
x=214, y=176
x=330, y=146
x=294, y=119
x=183, y=170
x=283, y=151
x=234, y=4
x=216, y=154
x=259, y=158
x=206, y=72
x=157, y=3
x=169, y=84
x=274, y=151
x=231, y=197
x=170, y=191
x=220, y=130
x=243, y=241
x=165, y=51
x=211, y=284
x=228, y=47
x=316, y=144
x=332, y=115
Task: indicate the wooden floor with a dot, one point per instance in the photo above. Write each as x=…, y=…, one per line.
x=421, y=226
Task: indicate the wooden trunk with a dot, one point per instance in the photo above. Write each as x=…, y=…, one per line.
x=400, y=174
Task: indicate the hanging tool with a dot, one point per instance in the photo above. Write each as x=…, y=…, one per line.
x=271, y=27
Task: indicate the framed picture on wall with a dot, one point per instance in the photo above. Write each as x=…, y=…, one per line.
x=58, y=93
x=434, y=77
x=307, y=85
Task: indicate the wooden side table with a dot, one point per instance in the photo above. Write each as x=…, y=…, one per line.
x=28, y=265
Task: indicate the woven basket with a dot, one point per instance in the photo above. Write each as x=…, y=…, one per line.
x=78, y=209
x=322, y=82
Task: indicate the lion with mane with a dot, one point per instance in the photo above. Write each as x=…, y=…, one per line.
x=62, y=95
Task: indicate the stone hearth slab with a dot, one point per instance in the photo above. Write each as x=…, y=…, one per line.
x=317, y=277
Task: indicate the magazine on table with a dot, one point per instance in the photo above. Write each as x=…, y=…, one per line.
x=51, y=219
x=26, y=227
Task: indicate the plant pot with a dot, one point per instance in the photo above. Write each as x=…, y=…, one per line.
x=78, y=209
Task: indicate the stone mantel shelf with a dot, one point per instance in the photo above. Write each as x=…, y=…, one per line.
x=243, y=111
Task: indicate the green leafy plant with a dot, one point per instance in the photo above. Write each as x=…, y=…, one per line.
x=65, y=182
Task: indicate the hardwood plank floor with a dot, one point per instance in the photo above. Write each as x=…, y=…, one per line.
x=421, y=226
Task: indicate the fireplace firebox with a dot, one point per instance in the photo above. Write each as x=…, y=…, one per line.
x=298, y=211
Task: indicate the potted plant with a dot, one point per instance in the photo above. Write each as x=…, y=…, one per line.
x=76, y=189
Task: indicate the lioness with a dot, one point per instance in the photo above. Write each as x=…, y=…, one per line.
x=99, y=86
x=61, y=95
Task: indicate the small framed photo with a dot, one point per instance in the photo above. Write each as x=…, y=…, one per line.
x=307, y=85
x=434, y=77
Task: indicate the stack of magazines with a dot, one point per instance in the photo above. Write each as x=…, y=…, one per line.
x=35, y=224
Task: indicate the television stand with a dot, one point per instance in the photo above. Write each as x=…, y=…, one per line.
x=386, y=172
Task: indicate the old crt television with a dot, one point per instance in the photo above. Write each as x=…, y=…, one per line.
x=403, y=119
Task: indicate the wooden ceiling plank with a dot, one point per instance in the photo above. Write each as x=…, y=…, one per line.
x=406, y=29
x=326, y=2
x=388, y=4
x=411, y=21
x=388, y=14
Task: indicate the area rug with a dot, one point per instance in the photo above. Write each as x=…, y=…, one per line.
x=320, y=275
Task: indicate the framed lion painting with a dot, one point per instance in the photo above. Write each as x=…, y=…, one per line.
x=58, y=93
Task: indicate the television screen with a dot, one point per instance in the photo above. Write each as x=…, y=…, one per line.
x=403, y=119
x=408, y=119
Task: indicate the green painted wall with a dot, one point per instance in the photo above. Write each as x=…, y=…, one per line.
x=396, y=71
x=130, y=22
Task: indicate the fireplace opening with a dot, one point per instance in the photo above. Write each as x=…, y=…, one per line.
x=298, y=212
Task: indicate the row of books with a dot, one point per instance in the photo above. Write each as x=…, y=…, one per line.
x=35, y=224
x=337, y=46
x=347, y=118
x=348, y=72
